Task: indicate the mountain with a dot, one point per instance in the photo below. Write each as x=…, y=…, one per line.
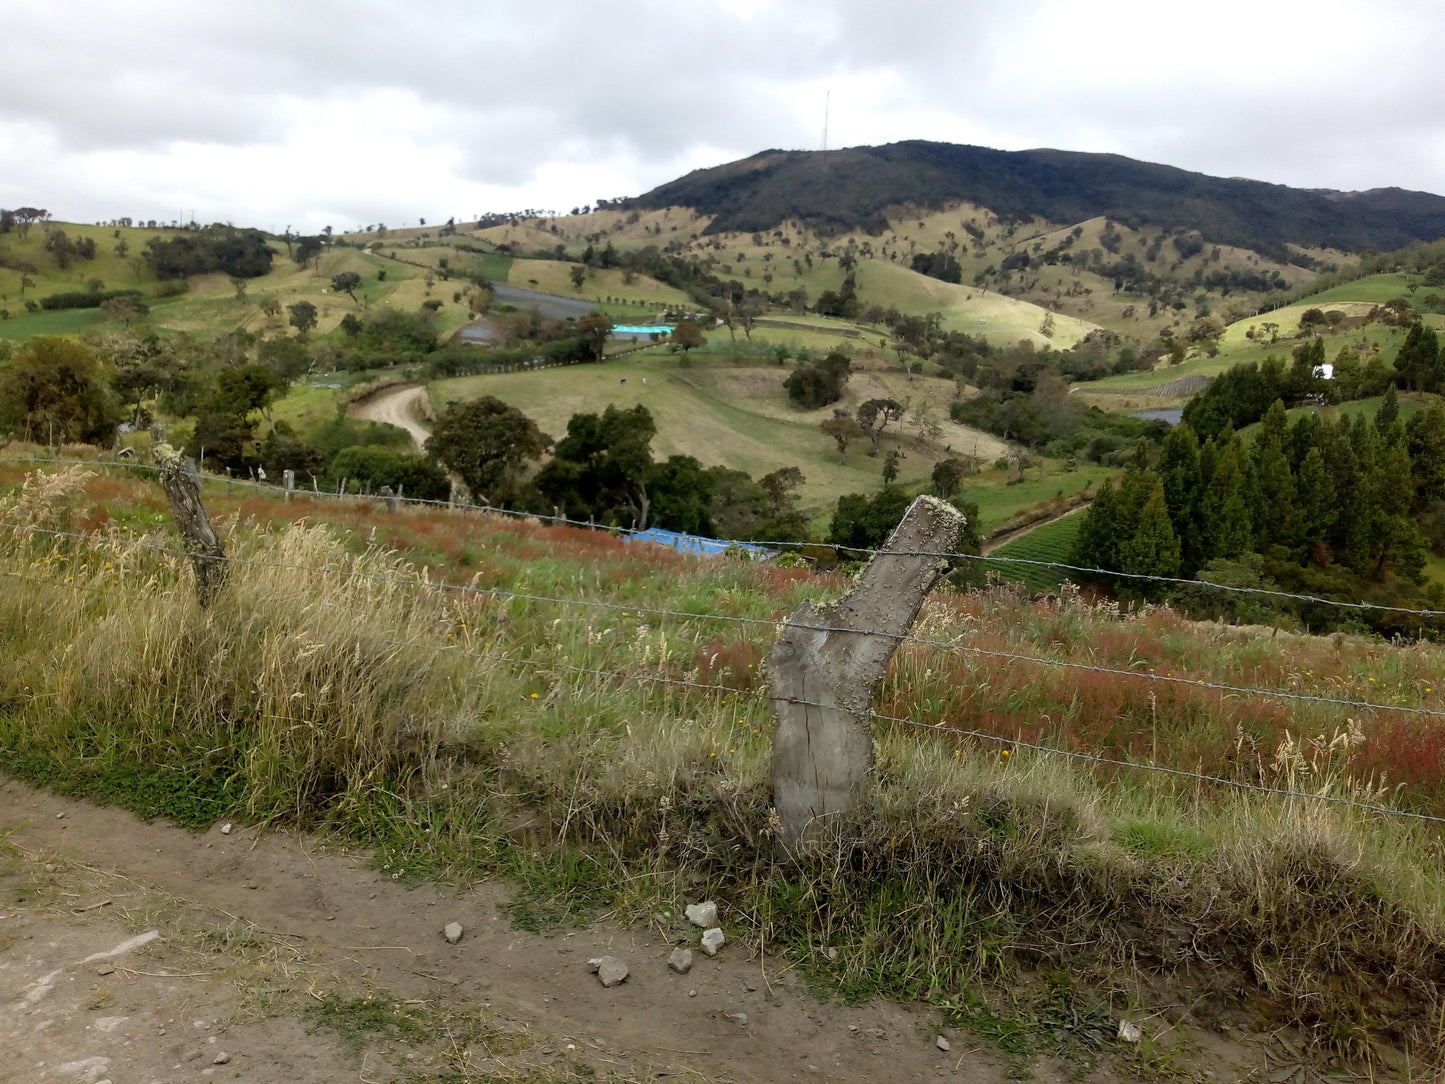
x=833, y=191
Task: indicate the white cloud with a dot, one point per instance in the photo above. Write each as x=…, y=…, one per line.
x=348, y=113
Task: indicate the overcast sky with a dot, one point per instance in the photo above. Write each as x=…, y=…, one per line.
x=317, y=112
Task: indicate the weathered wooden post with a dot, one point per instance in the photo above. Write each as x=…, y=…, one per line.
x=828, y=662
x=183, y=489
x=288, y=479
x=390, y=498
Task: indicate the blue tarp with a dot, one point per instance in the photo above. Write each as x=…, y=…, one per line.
x=696, y=544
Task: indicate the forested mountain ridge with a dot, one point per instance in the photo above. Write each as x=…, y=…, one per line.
x=840, y=190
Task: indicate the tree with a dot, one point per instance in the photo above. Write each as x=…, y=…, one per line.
x=595, y=328
x=1418, y=359
x=602, y=466
x=815, y=385
x=303, y=317
x=861, y=523
x=874, y=416
x=687, y=337
x=578, y=275
x=1153, y=550
x=55, y=391
x=843, y=429
x=346, y=283
x=486, y=442
x=890, y=466
x=947, y=474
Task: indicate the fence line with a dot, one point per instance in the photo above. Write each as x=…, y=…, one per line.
x=942, y=729
x=505, y=594
x=792, y=544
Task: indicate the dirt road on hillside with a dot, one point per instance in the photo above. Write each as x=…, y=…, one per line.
x=145, y=954
x=399, y=406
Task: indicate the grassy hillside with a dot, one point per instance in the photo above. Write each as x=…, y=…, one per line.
x=588, y=718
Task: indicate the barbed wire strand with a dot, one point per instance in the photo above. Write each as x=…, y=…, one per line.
x=765, y=544
x=942, y=729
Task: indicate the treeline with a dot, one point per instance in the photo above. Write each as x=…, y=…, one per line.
x=242, y=254
x=603, y=471
x=1243, y=394
x=1346, y=509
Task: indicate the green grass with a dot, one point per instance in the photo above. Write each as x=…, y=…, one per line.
x=749, y=428
x=997, y=501
x=557, y=725
x=23, y=325
x=1049, y=542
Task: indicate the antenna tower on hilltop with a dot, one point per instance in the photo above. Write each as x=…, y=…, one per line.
x=827, y=100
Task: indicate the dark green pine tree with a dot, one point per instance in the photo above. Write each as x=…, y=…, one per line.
x=1318, y=510
x=1153, y=549
x=1227, y=508
x=1418, y=360
x=1276, y=516
x=1097, y=543
x=1179, y=472
x=1425, y=433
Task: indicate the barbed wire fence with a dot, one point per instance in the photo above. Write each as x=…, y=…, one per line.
x=944, y=729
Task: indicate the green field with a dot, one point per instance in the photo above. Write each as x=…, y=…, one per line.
x=1049, y=542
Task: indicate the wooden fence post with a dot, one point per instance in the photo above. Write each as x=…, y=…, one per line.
x=390, y=498
x=183, y=490
x=288, y=479
x=828, y=662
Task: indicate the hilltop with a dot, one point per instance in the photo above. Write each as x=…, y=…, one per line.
x=837, y=191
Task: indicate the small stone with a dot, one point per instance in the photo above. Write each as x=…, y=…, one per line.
x=702, y=914
x=194, y=1055
x=831, y=953
x=738, y=1018
x=226, y=829
x=60, y=816
x=941, y=1043
x=452, y=932
x=680, y=960
x=594, y=963
x=105, y=969
x=713, y=940
x=692, y=993
x=1129, y=1031
x=611, y=971
x=221, y=1059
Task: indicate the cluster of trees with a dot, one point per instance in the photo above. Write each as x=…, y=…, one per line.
x=1346, y=509
x=603, y=470
x=242, y=254
x=816, y=384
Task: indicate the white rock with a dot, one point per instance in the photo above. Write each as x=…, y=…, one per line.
x=680, y=960
x=1129, y=1031
x=712, y=940
x=941, y=1043
x=611, y=971
x=702, y=914
x=594, y=963
x=452, y=932
x=226, y=829
x=221, y=1059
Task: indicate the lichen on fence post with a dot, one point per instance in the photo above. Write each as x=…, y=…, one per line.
x=828, y=662
x=183, y=490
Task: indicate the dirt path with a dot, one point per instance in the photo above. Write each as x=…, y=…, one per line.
x=398, y=405
x=1003, y=539
x=242, y=944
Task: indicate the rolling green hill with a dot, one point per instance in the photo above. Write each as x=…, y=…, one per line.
x=845, y=189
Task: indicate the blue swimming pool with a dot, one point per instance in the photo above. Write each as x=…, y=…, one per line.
x=640, y=331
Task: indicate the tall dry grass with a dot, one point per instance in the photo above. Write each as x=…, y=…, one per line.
x=465, y=731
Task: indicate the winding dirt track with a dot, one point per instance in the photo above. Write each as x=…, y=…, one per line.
x=399, y=405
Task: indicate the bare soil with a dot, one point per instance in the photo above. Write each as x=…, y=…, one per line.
x=398, y=405
x=142, y=953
